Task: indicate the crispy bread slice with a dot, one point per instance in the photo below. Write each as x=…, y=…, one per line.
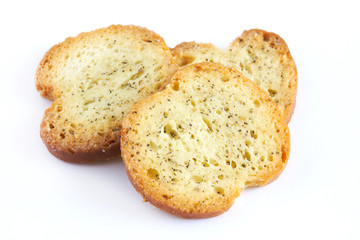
x=192, y=148
x=261, y=56
x=95, y=78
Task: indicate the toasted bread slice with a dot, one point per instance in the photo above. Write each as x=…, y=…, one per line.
x=261, y=56
x=95, y=78
x=192, y=148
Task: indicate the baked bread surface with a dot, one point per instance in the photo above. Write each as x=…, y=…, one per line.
x=193, y=147
x=94, y=79
x=259, y=55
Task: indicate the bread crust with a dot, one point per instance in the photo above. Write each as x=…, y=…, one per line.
x=84, y=156
x=105, y=144
x=180, y=52
x=135, y=174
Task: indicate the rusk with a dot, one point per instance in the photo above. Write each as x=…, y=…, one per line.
x=94, y=79
x=193, y=147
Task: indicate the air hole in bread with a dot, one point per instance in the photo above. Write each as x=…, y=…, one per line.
x=248, y=143
x=62, y=135
x=270, y=158
x=208, y=124
x=197, y=179
x=247, y=156
x=218, y=111
x=51, y=126
x=233, y=164
x=221, y=177
x=219, y=190
x=87, y=102
x=153, y=146
x=171, y=132
x=147, y=40
x=153, y=174
x=253, y=134
x=256, y=103
x=205, y=164
x=175, y=85
x=272, y=92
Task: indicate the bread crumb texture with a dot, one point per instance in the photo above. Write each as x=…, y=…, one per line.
x=192, y=148
x=261, y=56
x=95, y=78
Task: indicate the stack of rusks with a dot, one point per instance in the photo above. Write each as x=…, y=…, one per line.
x=194, y=125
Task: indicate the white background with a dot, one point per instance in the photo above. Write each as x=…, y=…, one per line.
x=316, y=197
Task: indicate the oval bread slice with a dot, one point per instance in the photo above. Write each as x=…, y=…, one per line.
x=261, y=56
x=95, y=78
x=192, y=148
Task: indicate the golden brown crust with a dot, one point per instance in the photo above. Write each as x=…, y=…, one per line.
x=80, y=143
x=84, y=156
x=149, y=189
